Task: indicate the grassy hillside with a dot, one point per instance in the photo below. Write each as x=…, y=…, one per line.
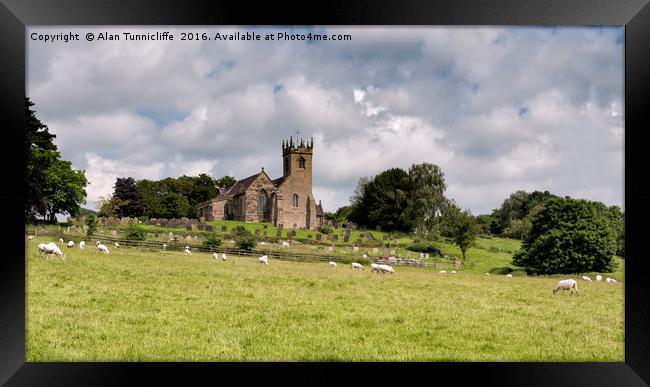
x=135, y=305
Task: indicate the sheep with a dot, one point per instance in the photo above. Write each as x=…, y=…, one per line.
x=509, y=275
x=584, y=277
x=263, y=259
x=60, y=240
x=599, y=277
x=567, y=284
x=70, y=244
x=442, y=272
x=375, y=267
x=52, y=249
x=102, y=248
x=487, y=273
x=116, y=244
x=364, y=256
x=82, y=245
x=285, y=244
x=42, y=248
x=223, y=256
x=164, y=246
x=610, y=279
x=333, y=264
x=31, y=237
x=215, y=256
x=386, y=269
x=187, y=251
x=452, y=272
x=356, y=265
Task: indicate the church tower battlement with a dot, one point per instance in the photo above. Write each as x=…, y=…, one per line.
x=297, y=158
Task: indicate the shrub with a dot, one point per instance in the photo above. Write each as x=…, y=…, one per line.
x=239, y=231
x=136, y=232
x=326, y=230
x=212, y=241
x=423, y=247
x=246, y=242
x=91, y=222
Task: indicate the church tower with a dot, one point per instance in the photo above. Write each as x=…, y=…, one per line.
x=296, y=158
x=298, y=209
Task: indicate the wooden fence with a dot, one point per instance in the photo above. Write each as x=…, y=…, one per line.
x=442, y=263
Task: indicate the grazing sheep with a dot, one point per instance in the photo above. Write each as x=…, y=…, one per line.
x=164, y=246
x=599, y=277
x=116, y=244
x=263, y=259
x=364, y=256
x=443, y=272
x=386, y=269
x=60, y=240
x=584, y=277
x=187, y=247
x=187, y=251
x=51, y=249
x=70, y=244
x=610, y=279
x=223, y=256
x=285, y=244
x=102, y=248
x=215, y=256
x=333, y=264
x=356, y=265
x=452, y=272
x=31, y=237
x=375, y=267
x=487, y=273
x=42, y=248
x=509, y=275
x=567, y=284
x=82, y=245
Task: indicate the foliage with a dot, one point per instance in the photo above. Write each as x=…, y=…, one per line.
x=225, y=182
x=85, y=212
x=426, y=198
x=110, y=206
x=517, y=206
x=128, y=191
x=136, y=232
x=91, y=222
x=424, y=247
x=239, y=231
x=246, y=241
x=213, y=240
x=326, y=230
x=462, y=228
x=569, y=236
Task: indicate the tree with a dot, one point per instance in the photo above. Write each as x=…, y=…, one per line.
x=569, y=236
x=461, y=227
x=91, y=222
x=127, y=190
x=110, y=206
x=64, y=189
x=225, y=182
x=136, y=232
x=426, y=198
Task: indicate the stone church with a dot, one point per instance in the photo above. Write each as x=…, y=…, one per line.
x=286, y=201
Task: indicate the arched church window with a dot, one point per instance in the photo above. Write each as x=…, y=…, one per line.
x=295, y=200
x=301, y=162
x=261, y=201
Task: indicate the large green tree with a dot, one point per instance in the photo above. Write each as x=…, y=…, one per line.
x=426, y=198
x=64, y=189
x=127, y=190
x=461, y=227
x=569, y=236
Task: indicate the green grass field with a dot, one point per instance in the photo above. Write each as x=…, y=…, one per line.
x=139, y=305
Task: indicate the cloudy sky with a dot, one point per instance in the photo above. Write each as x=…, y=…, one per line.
x=498, y=109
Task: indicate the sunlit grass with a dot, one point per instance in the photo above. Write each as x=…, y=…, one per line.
x=138, y=305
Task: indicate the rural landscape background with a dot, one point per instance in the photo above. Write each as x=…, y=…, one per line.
x=481, y=175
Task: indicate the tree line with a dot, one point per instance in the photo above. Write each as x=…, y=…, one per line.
x=166, y=198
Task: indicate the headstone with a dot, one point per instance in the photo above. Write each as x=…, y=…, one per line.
x=355, y=248
x=202, y=219
x=257, y=233
x=209, y=227
x=279, y=232
x=319, y=237
x=421, y=255
x=426, y=255
x=85, y=228
x=330, y=249
x=113, y=232
x=224, y=228
x=171, y=235
x=266, y=226
x=346, y=239
x=335, y=237
x=375, y=250
x=201, y=226
x=392, y=251
x=188, y=238
x=196, y=237
x=188, y=227
x=265, y=232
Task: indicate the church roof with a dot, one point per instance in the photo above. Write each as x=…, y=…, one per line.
x=279, y=180
x=241, y=185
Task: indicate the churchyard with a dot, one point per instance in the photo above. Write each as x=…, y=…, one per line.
x=145, y=304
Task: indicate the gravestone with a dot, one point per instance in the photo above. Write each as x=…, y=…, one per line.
x=85, y=228
x=266, y=226
x=426, y=255
x=201, y=226
x=171, y=235
x=335, y=237
x=319, y=237
x=392, y=251
x=113, y=232
x=202, y=219
x=330, y=249
x=188, y=238
x=257, y=233
x=375, y=250
x=209, y=227
x=188, y=227
x=346, y=239
x=355, y=248
x=265, y=232
x=224, y=228
x=421, y=255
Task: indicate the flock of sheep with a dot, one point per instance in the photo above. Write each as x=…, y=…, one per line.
x=51, y=249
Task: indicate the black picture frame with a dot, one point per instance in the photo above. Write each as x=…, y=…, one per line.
x=15, y=15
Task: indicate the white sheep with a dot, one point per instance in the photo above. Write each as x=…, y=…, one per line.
x=164, y=246
x=101, y=247
x=374, y=267
x=509, y=275
x=116, y=244
x=215, y=256
x=599, y=277
x=386, y=269
x=442, y=272
x=263, y=259
x=70, y=244
x=364, y=256
x=31, y=237
x=333, y=264
x=223, y=256
x=487, y=273
x=60, y=240
x=52, y=249
x=42, y=248
x=452, y=272
x=187, y=251
x=82, y=245
x=285, y=244
x=567, y=284
x=610, y=279
x=356, y=265
x=584, y=277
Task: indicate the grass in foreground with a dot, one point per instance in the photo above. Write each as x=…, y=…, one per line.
x=135, y=305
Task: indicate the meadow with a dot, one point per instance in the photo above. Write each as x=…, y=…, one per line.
x=150, y=305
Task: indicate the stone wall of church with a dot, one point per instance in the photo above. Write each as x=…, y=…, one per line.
x=252, y=212
x=212, y=210
x=300, y=184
